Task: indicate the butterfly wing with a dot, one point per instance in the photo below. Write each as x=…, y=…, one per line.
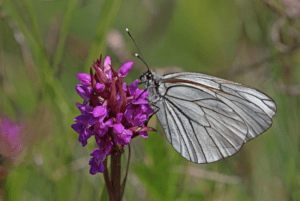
x=206, y=118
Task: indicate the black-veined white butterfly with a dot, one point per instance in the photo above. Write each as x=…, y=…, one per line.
x=206, y=118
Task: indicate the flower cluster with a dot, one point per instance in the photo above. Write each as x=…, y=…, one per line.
x=112, y=112
x=11, y=138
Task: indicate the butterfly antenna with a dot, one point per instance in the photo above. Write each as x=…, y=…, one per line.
x=141, y=56
x=138, y=56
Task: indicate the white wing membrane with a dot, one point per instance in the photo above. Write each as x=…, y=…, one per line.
x=206, y=118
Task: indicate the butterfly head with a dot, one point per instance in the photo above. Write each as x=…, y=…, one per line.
x=145, y=77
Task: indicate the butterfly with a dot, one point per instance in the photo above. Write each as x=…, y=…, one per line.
x=206, y=118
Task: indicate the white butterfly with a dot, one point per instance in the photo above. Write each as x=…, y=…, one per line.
x=207, y=118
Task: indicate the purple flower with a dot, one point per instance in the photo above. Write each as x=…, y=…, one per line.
x=111, y=111
x=85, y=110
x=104, y=144
x=124, y=87
x=123, y=136
x=146, y=109
x=107, y=64
x=102, y=128
x=100, y=112
x=85, y=79
x=99, y=87
x=83, y=119
x=124, y=70
x=133, y=87
x=129, y=115
x=135, y=117
x=140, y=97
x=11, y=138
x=84, y=92
x=97, y=161
x=87, y=115
x=84, y=132
x=139, y=119
x=119, y=117
x=143, y=134
x=106, y=68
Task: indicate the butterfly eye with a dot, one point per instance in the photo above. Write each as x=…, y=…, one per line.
x=143, y=77
x=149, y=76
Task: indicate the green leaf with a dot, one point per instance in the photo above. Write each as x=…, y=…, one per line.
x=26, y=184
x=104, y=194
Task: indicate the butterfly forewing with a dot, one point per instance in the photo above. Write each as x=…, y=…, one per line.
x=207, y=118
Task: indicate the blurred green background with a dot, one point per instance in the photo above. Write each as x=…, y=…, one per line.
x=44, y=44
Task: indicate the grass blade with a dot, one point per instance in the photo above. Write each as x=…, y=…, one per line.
x=63, y=34
x=107, y=18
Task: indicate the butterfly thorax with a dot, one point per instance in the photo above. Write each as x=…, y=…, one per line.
x=152, y=81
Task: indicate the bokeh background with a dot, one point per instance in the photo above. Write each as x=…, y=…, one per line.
x=44, y=44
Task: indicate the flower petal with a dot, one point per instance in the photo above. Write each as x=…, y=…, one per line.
x=133, y=87
x=139, y=119
x=85, y=110
x=11, y=139
x=109, y=75
x=128, y=114
x=143, y=134
x=84, y=92
x=99, y=111
x=104, y=144
x=124, y=70
x=118, y=128
x=97, y=161
x=123, y=138
x=99, y=87
x=100, y=129
x=146, y=109
x=84, y=132
x=119, y=117
x=98, y=153
x=107, y=64
x=109, y=123
x=140, y=97
x=84, y=78
x=124, y=87
x=78, y=127
x=82, y=119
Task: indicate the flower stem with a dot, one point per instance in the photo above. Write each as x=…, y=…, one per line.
x=107, y=181
x=116, y=176
x=126, y=174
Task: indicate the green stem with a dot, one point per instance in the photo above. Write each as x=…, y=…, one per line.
x=107, y=181
x=126, y=174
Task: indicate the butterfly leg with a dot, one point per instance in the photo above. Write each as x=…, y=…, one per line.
x=141, y=94
x=155, y=111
